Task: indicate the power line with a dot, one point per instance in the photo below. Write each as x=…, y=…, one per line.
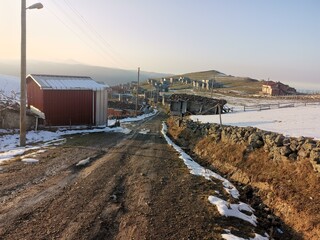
x=93, y=39
x=94, y=31
x=70, y=28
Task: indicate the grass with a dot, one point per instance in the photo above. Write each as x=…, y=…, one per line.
x=231, y=84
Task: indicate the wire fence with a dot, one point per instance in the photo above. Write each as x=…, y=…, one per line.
x=260, y=107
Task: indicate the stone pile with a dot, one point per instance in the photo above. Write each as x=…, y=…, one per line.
x=278, y=146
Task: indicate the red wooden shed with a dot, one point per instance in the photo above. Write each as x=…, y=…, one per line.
x=68, y=100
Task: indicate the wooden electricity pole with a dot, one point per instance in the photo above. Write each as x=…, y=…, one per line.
x=137, y=92
x=23, y=76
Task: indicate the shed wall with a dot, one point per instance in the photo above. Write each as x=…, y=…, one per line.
x=68, y=107
x=101, y=107
x=34, y=94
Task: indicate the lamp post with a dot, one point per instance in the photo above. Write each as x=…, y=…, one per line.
x=23, y=70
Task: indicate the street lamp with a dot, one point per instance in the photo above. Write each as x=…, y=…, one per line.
x=23, y=70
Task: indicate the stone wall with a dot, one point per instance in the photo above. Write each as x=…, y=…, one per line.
x=279, y=169
x=277, y=146
x=10, y=119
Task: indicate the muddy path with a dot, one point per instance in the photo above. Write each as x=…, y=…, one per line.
x=115, y=196
x=134, y=187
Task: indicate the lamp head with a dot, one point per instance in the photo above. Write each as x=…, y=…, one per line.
x=35, y=6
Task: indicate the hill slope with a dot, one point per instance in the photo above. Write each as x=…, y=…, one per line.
x=232, y=83
x=111, y=76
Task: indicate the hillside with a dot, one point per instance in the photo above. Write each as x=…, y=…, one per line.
x=111, y=76
x=230, y=83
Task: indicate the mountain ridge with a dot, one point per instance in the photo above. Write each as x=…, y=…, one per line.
x=111, y=76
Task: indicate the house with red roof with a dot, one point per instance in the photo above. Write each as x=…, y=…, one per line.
x=277, y=89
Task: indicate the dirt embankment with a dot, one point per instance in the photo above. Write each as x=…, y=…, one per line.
x=289, y=187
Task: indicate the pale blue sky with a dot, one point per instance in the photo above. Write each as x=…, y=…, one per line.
x=276, y=39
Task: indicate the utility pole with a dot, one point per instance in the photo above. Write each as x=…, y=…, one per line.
x=23, y=70
x=212, y=81
x=137, y=92
x=23, y=73
x=219, y=109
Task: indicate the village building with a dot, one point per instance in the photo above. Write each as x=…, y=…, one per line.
x=184, y=104
x=277, y=89
x=67, y=100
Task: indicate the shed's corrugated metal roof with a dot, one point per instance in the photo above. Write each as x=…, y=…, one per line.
x=67, y=82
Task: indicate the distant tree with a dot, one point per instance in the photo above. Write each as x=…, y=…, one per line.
x=8, y=101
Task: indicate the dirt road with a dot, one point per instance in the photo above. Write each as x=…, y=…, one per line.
x=134, y=187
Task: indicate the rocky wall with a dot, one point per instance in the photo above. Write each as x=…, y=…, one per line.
x=277, y=146
x=283, y=171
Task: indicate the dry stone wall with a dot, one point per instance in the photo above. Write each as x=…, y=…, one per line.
x=278, y=146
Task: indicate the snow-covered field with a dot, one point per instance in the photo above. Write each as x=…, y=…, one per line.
x=294, y=121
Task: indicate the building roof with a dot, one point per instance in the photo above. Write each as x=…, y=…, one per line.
x=269, y=83
x=56, y=82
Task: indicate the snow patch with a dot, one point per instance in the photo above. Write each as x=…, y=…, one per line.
x=234, y=210
x=9, y=143
x=83, y=162
x=144, y=131
x=30, y=160
x=229, y=236
x=197, y=169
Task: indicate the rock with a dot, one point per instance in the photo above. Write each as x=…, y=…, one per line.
x=294, y=145
x=308, y=146
x=255, y=140
x=303, y=153
x=286, y=142
x=315, y=155
x=279, y=140
x=301, y=139
x=269, y=139
x=293, y=156
x=285, y=151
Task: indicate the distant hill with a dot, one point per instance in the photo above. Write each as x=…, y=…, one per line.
x=231, y=83
x=111, y=76
x=9, y=83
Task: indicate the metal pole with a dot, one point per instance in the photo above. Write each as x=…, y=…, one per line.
x=23, y=76
x=212, y=81
x=219, y=108
x=137, y=92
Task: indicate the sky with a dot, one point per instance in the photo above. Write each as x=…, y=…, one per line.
x=260, y=39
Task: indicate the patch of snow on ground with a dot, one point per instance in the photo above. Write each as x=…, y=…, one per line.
x=229, y=236
x=5, y=156
x=196, y=169
x=83, y=162
x=134, y=119
x=294, y=122
x=223, y=206
x=144, y=131
x=234, y=210
x=9, y=144
x=30, y=160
